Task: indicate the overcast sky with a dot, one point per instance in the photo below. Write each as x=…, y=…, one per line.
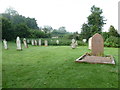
x=69, y=13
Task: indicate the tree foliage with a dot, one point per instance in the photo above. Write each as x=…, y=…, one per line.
x=94, y=23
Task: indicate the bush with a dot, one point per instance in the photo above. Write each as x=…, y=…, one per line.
x=112, y=42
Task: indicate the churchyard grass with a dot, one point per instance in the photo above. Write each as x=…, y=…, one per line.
x=55, y=67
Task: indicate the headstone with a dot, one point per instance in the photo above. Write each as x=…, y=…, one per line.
x=25, y=43
x=73, y=40
x=46, y=43
x=18, y=42
x=89, y=43
x=28, y=40
x=36, y=42
x=5, y=44
x=84, y=40
x=39, y=42
x=97, y=45
x=32, y=42
x=76, y=43
x=57, y=41
x=73, y=44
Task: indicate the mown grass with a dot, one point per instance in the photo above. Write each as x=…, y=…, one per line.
x=54, y=67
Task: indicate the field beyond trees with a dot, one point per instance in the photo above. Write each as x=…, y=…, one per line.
x=54, y=67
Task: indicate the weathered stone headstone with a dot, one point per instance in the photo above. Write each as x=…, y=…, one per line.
x=89, y=43
x=39, y=42
x=73, y=44
x=46, y=43
x=97, y=45
x=25, y=43
x=5, y=44
x=76, y=43
x=36, y=42
x=32, y=42
x=28, y=40
x=73, y=40
x=57, y=41
x=84, y=40
x=18, y=42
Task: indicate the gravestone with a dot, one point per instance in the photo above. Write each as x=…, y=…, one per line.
x=57, y=41
x=76, y=43
x=73, y=44
x=32, y=42
x=25, y=43
x=89, y=43
x=97, y=45
x=39, y=42
x=36, y=42
x=73, y=40
x=18, y=42
x=84, y=40
x=46, y=43
x=5, y=44
x=28, y=41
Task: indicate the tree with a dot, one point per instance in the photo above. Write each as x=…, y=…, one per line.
x=85, y=33
x=94, y=24
x=11, y=11
x=22, y=30
x=113, y=31
x=47, y=29
x=96, y=20
x=7, y=31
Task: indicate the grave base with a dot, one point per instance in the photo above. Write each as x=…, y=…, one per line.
x=96, y=59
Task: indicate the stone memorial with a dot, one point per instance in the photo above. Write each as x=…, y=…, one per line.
x=84, y=40
x=25, y=43
x=18, y=42
x=32, y=42
x=39, y=42
x=73, y=40
x=97, y=45
x=73, y=44
x=97, y=52
x=36, y=42
x=28, y=41
x=57, y=42
x=89, y=43
x=76, y=43
x=46, y=43
x=5, y=44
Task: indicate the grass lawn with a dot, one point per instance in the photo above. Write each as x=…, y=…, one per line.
x=54, y=67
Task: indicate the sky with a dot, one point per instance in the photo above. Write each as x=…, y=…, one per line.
x=69, y=13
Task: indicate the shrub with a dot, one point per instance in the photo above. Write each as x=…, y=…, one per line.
x=112, y=42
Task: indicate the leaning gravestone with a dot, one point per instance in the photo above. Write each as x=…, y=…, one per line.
x=25, y=43
x=97, y=45
x=39, y=42
x=36, y=42
x=32, y=42
x=5, y=44
x=46, y=43
x=18, y=42
x=89, y=43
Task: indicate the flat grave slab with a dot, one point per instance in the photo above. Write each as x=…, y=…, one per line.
x=96, y=59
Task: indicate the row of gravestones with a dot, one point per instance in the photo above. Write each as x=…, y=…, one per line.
x=74, y=43
x=25, y=42
x=96, y=44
